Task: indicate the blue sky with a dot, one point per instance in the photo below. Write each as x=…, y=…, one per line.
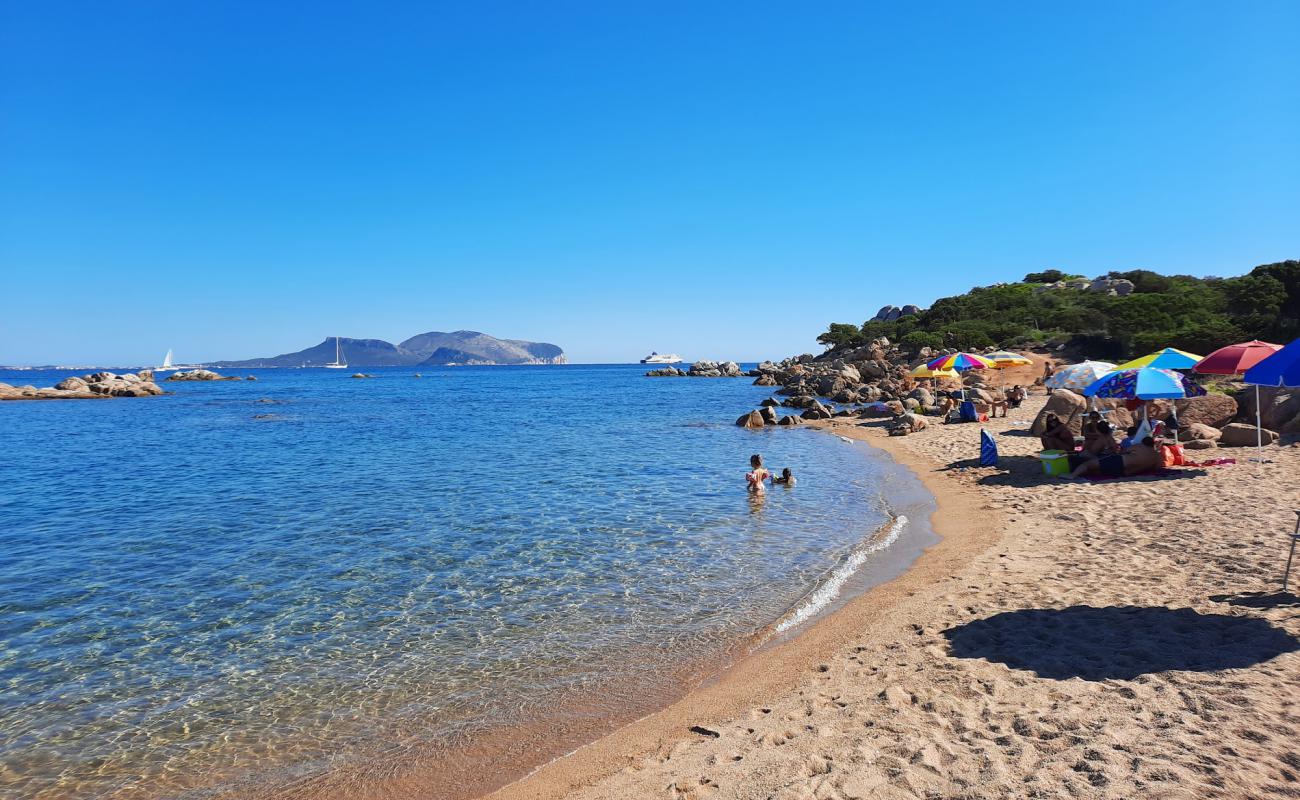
x=716, y=179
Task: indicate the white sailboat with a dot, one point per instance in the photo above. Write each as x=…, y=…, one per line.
x=338, y=362
x=167, y=365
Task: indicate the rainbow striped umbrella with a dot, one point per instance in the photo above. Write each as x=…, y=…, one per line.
x=961, y=362
x=1169, y=358
x=1146, y=383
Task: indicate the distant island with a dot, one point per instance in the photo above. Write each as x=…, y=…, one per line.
x=432, y=349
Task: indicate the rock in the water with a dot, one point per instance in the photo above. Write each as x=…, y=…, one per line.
x=72, y=385
x=98, y=386
x=663, y=372
x=251, y=378
x=1211, y=409
x=768, y=415
x=817, y=411
x=753, y=419
x=1238, y=434
x=770, y=401
x=765, y=380
x=790, y=419
x=198, y=375
x=361, y=375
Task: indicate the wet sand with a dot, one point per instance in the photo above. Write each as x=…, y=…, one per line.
x=1096, y=640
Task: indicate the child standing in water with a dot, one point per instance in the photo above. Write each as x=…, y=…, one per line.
x=757, y=474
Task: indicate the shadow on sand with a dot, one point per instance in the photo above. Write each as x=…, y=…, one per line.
x=1118, y=642
x=1259, y=599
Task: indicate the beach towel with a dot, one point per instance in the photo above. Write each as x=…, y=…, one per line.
x=1213, y=462
x=988, y=450
x=1151, y=473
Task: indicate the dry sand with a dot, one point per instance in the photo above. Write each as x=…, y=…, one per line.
x=1096, y=640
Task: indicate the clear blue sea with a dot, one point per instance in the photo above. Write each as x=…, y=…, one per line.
x=247, y=587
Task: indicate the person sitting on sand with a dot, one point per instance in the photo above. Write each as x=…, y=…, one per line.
x=786, y=478
x=1100, y=445
x=1089, y=427
x=1015, y=396
x=757, y=474
x=1057, y=435
x=1142, y=458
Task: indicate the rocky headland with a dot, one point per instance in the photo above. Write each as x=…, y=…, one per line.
x=95, y=386
x=432, y=349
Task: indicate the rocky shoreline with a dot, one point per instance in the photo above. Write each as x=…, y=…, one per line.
x=95, y=386
x=873, y=382
x=104, y=385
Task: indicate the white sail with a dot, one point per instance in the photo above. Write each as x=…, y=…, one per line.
x=167, y=360
x=338, y=362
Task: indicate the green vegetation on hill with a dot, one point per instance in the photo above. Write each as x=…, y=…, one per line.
x=1195, y=314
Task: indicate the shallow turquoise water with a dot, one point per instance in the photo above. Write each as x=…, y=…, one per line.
x=194, y=594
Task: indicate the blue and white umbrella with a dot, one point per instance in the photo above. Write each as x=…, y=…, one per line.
x=1145, y=383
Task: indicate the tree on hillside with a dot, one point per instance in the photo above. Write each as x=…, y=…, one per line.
x=841, y=334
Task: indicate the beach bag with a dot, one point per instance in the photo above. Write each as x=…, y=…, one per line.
x=988, y=450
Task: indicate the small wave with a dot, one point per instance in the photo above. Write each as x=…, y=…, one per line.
x=830, y=588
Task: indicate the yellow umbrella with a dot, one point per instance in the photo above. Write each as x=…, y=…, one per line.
x=1169, y=358
x=925, y=372
x=1004, y=358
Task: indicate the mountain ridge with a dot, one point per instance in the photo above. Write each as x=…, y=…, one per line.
x=433, y=348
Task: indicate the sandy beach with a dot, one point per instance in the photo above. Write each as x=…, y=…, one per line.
x=1113, y=639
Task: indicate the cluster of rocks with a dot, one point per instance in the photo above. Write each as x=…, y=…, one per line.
x=201, y=375
x=1113, y=286
x=891, y=313
x=1214, y=420
x=701, y=369
x=98, y=385
x=869, y=381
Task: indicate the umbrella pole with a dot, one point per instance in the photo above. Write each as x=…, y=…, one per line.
x=1259, y=447
x=1294, y=537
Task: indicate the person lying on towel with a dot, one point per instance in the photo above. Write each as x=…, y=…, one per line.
x=1142, y=457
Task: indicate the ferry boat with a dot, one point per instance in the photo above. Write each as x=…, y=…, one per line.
x=656, y=358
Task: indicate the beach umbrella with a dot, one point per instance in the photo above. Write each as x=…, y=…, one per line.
x=1169, y=358
x=1145, y=383
x=1236, y=359
x=923, y=371
x=1005, y=358
x=1077, y=377
x=960, y=362
x=1282, y=369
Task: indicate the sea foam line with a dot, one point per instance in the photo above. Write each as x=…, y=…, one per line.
x=830, y=588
